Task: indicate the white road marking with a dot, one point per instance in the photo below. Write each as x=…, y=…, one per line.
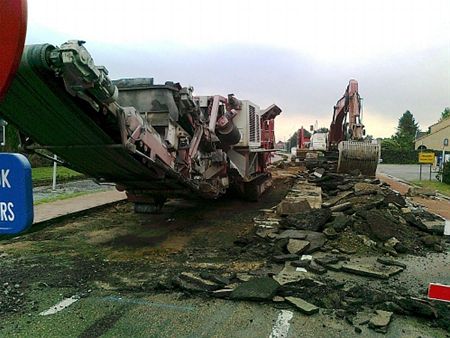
x=60, y=306
x=447, y=228
x=281, y=327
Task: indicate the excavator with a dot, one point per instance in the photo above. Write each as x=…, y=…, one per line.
x=345, y=141
x=152, y=140
x=347, y=135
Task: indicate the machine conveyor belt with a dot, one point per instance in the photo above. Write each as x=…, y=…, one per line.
x=38, y=104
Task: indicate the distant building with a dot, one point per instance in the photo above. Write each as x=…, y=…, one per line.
x=280, y=145
x=437, y=137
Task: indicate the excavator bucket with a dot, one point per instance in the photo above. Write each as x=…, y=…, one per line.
x=358, y=155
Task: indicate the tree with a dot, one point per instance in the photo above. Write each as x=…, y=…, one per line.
x=406, y=131
x=322, y=130
x=389, y=144
x=293, y=141
x=445, y=114
x=369, y=138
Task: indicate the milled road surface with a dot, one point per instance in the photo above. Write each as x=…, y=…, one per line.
x=117, y=262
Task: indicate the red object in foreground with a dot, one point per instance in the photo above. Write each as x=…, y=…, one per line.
x=439, y=292
x=13, y=27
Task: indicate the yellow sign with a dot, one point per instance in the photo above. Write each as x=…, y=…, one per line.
x=426, y=158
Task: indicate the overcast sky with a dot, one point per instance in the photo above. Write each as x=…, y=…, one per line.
x=297, y=54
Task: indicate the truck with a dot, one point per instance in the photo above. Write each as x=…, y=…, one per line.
x=319, y=141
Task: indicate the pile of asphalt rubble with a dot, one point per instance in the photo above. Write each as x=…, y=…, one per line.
x=334, y=244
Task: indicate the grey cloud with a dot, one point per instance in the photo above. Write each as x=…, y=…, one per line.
x=300, y=85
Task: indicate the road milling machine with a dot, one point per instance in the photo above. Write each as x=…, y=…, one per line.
x=153, y=141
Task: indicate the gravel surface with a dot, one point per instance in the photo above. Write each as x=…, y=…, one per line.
x=69, y=188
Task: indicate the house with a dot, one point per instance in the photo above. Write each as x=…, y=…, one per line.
x=437, y=138
x=280, y=145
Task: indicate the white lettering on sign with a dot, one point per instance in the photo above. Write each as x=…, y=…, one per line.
x=4, y=183
x=6, y=212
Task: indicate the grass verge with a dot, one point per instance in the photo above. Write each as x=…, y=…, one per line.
x=44, y=175
x=440, y=187
x=63, y=197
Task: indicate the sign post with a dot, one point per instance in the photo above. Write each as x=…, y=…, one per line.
x=16, y=194
x=54, y=172
x=3, y=124
x=425, y=158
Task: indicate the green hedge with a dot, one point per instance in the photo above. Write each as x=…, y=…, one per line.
x=391, y=156
x=446, y=173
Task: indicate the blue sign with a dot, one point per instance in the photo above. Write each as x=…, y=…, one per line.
x=16, y=194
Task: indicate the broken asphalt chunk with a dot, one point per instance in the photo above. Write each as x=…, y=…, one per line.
x=313, y=220
x=259, y=289
x=362, y=188
x=295, y=234
x=319, y=172
x=417, y=307
x=415, y=191
x=292, y=207
x=345, y=187
x=332, y=201
x=430, y=240
x=266, y=233
x=434, y=226
x=316, y=240
x=327, y=260
x=316, y=268
x=381, y=226
x=339, y=223
x=297, y=246
x=302, y=305
x=387, y=261
x=285, y=258
x=191, y=282
x=290, y=274
x=395, y=198
x=330, y=233
x=372, y=270
x=218, y=279
x=341, y=207
x=380, y=321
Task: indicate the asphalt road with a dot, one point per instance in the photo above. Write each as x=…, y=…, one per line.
x=407, y=172
x=173, y=315
x=110, y=262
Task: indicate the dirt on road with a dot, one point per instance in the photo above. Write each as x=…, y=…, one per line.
x=113, y=259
